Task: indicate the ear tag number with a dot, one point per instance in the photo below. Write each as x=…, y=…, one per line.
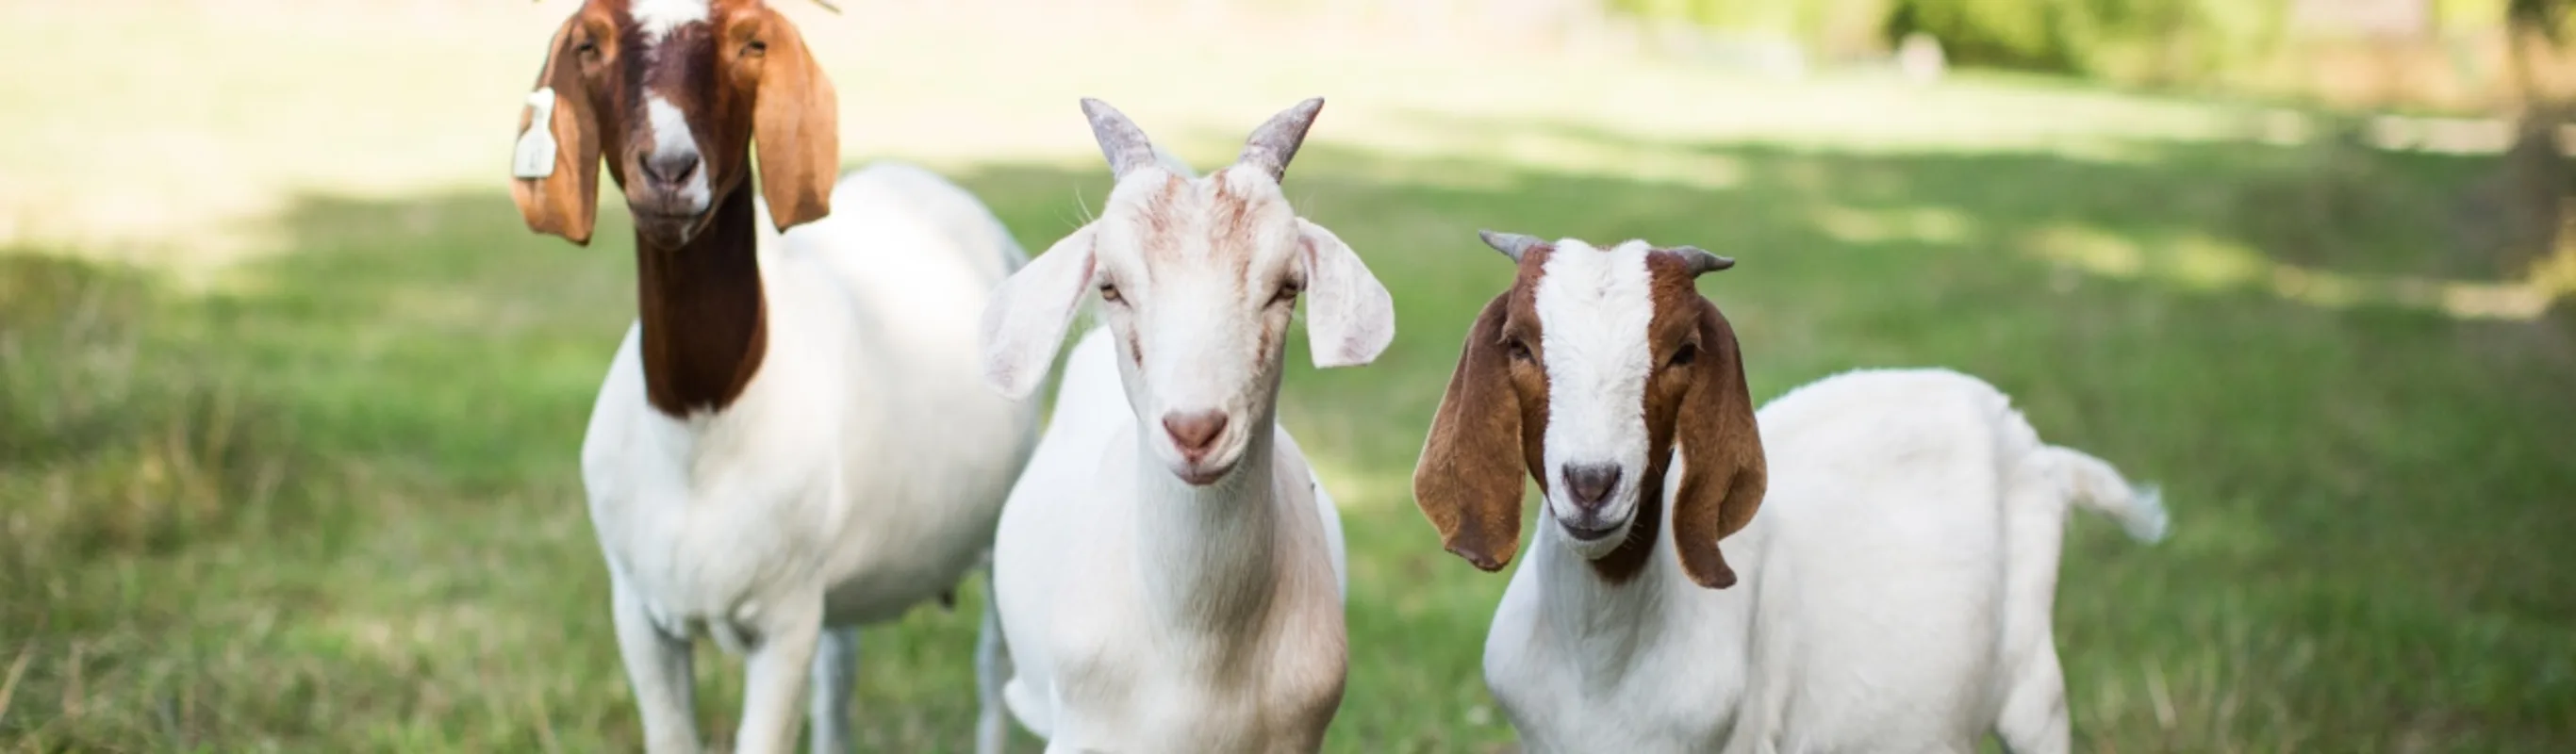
x=535, y=157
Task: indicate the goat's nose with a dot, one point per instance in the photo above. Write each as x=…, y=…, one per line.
x=1194, y=432
x=670, y=166
x=1590, y=483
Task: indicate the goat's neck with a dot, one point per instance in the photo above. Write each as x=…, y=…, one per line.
x=1609, y=620
x=1208, y=553
x=705, y=324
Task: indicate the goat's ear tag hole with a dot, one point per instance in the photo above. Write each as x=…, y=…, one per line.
x=535, y=157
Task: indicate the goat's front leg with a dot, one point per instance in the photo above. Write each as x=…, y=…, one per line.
x=836, y=675
x=657, y=665
x=773, y=694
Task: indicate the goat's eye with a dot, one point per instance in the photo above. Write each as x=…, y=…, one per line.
x=587, y=49
x=1109, y=293
x=1519, y=350
x=1684, y=356
x=1287, y=293
x=755, y=48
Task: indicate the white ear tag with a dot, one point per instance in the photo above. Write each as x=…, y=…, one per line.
x=535, y=157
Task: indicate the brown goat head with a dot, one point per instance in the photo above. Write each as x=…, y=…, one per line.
x=671, y=94
x=1592, y=374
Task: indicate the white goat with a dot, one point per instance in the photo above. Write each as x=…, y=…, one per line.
x=1169, y=571
x=757, y=462
x=1899, y=579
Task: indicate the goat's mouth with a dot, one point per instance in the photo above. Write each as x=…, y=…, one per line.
x=670, y=229
x=1590, y=531
x=1202, y=473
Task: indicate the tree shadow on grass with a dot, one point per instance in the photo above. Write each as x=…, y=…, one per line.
x=2362, y=493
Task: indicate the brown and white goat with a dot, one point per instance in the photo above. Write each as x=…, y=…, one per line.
x=757, y=461
x=1893, y=593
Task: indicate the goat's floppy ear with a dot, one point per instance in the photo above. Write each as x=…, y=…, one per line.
x=555, y=170
x=796, y=126
x=1470, y=479
x=1349, y=316
x=1024, y=323
x=1723, y=477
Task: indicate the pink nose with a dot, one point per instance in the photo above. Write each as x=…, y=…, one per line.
x=1194, y=432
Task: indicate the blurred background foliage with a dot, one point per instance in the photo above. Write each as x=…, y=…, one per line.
x=2442, y=54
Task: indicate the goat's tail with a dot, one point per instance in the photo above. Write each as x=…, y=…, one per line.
x=2094, y=483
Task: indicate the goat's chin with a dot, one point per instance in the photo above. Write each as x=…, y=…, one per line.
x=668, y=231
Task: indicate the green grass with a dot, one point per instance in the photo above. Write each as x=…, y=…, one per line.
x=322, y=496
x=331, y=505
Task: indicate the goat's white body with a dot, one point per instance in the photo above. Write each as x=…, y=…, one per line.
x=1108, y=654
x=1896, y=594
x=860, y=472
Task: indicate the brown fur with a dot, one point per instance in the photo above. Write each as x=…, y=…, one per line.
x=1702, y=414
x=744, y=75
x=705, y=324
x=1467, y=482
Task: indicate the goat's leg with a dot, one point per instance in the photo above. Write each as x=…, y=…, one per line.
x=657, y=665
x=992, y=670
x=836, y=675
x=773, y=692
x=2034, y=713
x=2033, y=717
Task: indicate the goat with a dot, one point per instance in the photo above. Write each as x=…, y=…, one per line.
x=755, y=462
x=1897, y=585
x=1169, y=570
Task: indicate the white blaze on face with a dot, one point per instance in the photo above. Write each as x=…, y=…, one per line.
x=671, y=135
x=1593, y=309
x=658, y=18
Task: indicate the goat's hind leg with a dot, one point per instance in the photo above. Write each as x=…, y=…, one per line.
x=2033, y=720
x=992, y=672
x=835, y=679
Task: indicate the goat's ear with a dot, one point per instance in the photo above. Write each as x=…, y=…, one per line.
x=1470, y=479
x=1720, y=448
x=555, y=178
x=1024, y=322
x=796, y=126
x=1349, y=316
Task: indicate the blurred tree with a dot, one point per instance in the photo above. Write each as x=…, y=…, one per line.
x=2536, y=168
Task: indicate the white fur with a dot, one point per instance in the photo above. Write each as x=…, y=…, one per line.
x=671, y=134
x=1593, y=309
x=1145, y=612
x=859, y=474
x=1895, y=596
x=1124, y=593
x=658, y=18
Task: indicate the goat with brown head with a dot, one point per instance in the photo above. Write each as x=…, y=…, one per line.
x=670, y=95
x=1592, y=374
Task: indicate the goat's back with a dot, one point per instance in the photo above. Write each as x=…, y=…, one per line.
x=1884, y=556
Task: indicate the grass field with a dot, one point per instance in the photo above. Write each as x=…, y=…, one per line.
x=292, y=467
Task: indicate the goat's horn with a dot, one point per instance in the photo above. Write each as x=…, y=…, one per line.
x=1275, y=143
x=1510, y=244
x=1120, y=140
x=827, y=5
x=1698, y=261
